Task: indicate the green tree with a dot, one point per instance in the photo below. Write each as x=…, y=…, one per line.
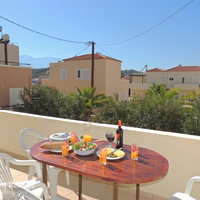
x=113, y=111
x=191, y=124
x=87, y=95
x=162, y=91
x=83, y=105
x=42, y=100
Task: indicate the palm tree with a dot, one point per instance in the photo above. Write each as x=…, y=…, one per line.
x=88, y=103
x=160, y=90
x=88, y=97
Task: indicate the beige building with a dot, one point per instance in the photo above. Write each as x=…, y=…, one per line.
x=12, y=54
x=12, y=81
x=12, y=77
x=135, y=78
x=75, y=73
x=185, y=78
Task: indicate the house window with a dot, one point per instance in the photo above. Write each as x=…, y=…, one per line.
x=171, y=78
x=83, y=74
x=129, y=92
x=63, y=74
x=183, y=79
x=78, y=73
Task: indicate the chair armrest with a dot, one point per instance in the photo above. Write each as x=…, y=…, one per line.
x=190, y=183
x=34, y=163
x=40, y=185
x=24, y=163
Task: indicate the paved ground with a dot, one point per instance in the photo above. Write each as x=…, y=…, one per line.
x=68, y=194
x=95, y=187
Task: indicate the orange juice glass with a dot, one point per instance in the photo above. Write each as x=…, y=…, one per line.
x=134, y=152
x=65, y=149
x=73, y=138
x=87, y=138
x=103, y=156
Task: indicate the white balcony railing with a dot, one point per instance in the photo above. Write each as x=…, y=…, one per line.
x=182, y=152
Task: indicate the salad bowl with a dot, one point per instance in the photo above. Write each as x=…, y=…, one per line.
x=84, y=148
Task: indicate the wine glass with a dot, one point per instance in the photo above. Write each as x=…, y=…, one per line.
x=87, y=128
x=110, y=137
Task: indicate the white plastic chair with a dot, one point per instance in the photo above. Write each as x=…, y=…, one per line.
x=29, y=137
x=6, y=176
x=188, y=189
x=12, y=191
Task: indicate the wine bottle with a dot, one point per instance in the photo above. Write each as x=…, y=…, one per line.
x=119, y=135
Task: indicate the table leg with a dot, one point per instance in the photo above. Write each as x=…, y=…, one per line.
x=137, y=191
x=80, y=187
x=44, y=173
x=115, y=191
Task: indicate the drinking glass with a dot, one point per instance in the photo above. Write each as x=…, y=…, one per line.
x=110, y=137
x=87, y=138
x=65, y=149
x=103, y=156
x=134, y=152
x=87, y=128
x=73, y=137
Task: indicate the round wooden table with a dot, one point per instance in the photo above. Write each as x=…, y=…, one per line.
x=149, y=167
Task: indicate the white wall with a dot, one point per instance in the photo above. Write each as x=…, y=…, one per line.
x=182, y=151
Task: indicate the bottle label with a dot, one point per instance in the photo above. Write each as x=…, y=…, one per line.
x=117, y=136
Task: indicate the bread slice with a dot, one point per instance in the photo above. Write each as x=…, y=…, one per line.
x=52, y=145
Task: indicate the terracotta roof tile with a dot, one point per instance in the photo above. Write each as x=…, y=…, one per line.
x=185, y=69
x=89, y=57
x=156, y=70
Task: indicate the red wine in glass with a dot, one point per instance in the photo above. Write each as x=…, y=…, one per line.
x=110, y=137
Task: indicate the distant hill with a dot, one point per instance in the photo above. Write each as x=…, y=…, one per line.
x=42, y=62
x=128, y=72
x=39, y=72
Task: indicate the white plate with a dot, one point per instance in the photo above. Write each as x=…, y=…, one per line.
x=58, y=150
x=59, y=137
x=109, y=158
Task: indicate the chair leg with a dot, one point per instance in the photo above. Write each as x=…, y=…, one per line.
x=67, y=177
x=31, y=172
x=53, y=179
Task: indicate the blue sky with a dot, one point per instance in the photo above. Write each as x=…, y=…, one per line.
x=174, y=42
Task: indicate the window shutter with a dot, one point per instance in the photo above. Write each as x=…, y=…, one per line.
x=63, y=74
x=85, y=74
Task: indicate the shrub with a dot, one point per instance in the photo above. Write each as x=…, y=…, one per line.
x=42, y=100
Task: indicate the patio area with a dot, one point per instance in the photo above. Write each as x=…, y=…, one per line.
x=62, y=191
x=180, y=150
x=69, y=192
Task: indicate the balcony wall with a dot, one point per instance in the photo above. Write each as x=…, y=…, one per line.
x=182, y=152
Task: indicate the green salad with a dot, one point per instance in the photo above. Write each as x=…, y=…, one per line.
x=83, y=146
